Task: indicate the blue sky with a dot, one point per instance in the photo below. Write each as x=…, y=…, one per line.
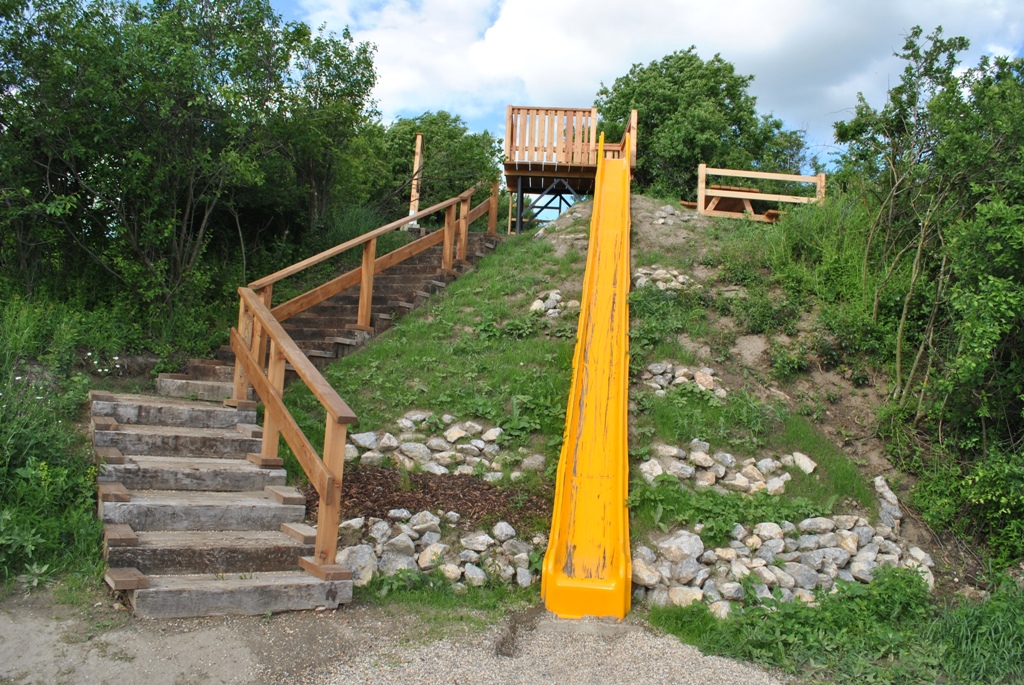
x=809, y=58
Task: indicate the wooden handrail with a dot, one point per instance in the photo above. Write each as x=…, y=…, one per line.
x=708, y=197
x=262, y=349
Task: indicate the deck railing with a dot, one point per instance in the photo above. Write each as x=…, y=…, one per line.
x=709, y=197
x=559, y=136
x=262, y=347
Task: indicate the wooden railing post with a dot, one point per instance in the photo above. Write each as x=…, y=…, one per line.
x=449, y=238
x=701, y=178
x=463, y=228
x=260, y=341
x=271, y=422
x=366, y=284
x=492, y=211
x=329, y=513
x=821, y=187
x=240, y=390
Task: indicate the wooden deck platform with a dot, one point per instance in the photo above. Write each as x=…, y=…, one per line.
x=546, y=144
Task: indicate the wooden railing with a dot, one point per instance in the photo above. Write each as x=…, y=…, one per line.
x=738, y=199
x=262, y=347
x=556, y=136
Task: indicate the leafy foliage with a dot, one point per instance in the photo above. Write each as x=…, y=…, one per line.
x=692, y=111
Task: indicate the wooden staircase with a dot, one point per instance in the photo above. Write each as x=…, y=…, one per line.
x=191, y=526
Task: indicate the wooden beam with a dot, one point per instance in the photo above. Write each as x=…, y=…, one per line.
x=408, y=250
x=747, y=195
x=764, y=175
x=320, y=388
x=366, y=283
x=285, y=311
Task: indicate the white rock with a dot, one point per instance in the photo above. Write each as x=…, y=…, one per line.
x=425, y=521
x=523, y=577
x=502, y=531
x=401, y=544
x=475, y=575
x=720, y=609
x=452, y=517
x=451, y=572
x=454, y=434
x=537, y=306
x=534, y=462
x=650, y=470
x=435, y=469
x=399, y=515
x=352, y=524
x=493, y=476
x=351, y=452
x=681, y=545
x=775, y=486
x=371, y=458
x=478, y=542
x=804, y=463
x=432, y=556
x=492, y=434
x=685, y=596
x=367, y=441
x=387, y=443
x=645, y=575
x=768, y=531
x=361, y=561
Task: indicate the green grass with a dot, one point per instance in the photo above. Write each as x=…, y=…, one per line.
x=474, y=351
x=665, y=504
x=836, y=478
x=741, y=423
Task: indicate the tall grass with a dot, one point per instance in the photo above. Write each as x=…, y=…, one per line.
x=47, y=489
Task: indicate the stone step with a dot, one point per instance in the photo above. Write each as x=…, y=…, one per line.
x=183, y=385
x=244, y=594
x=211, y=370
x=167, y=411
x=180, y=441
x=187, y=552
x=146, y=472
x=190, y=510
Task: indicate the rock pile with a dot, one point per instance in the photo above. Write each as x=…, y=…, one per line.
x=465, y=448
x=426, y=541
x=785, y=561
x=663, y=375
x=720, y=470
x=549, y=303
x=661, y=278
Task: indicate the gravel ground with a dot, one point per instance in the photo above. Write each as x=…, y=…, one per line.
x=554, y=652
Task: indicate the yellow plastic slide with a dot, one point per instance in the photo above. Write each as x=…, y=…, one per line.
x=587, y=568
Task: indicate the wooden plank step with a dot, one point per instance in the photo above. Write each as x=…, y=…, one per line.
x=125, y=579
x=108, y=455
x=177, y=440
x=301, y=532
x=187, y=510
x=112, y=492
x=195, y=552
x=264, y=462
x=151, y=472
x=248, y=594
x=119, y=535
x=168, y=411
x=285, y=494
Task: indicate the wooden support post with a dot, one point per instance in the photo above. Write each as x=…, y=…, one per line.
x=511, y=201
x=330, y=502
x=271, y=422
x=463, y=229
x=701, y=180
x=366, y=284
x=417, y=177
x=261, y=341
x=449, y=238
x=821, y=187
x=240, y=391
x=492, y=211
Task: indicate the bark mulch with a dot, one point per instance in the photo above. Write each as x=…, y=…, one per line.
x=370, y=491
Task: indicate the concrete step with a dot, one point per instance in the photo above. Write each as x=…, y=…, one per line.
x=245, y=594
x=145, y=472
x=167, y=411
x=183, y=385
x=181, y=441
x=189, y=510
x=187, y=552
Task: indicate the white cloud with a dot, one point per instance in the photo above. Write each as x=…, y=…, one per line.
x=809, y=58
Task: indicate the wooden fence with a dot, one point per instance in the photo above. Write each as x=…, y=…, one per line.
x=262, y=347
x=735, y=201
x=559, y=136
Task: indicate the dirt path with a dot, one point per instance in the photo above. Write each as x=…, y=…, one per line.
x=45, y=643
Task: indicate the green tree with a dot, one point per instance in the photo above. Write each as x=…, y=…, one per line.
x=453, y=158
x=692, y=111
